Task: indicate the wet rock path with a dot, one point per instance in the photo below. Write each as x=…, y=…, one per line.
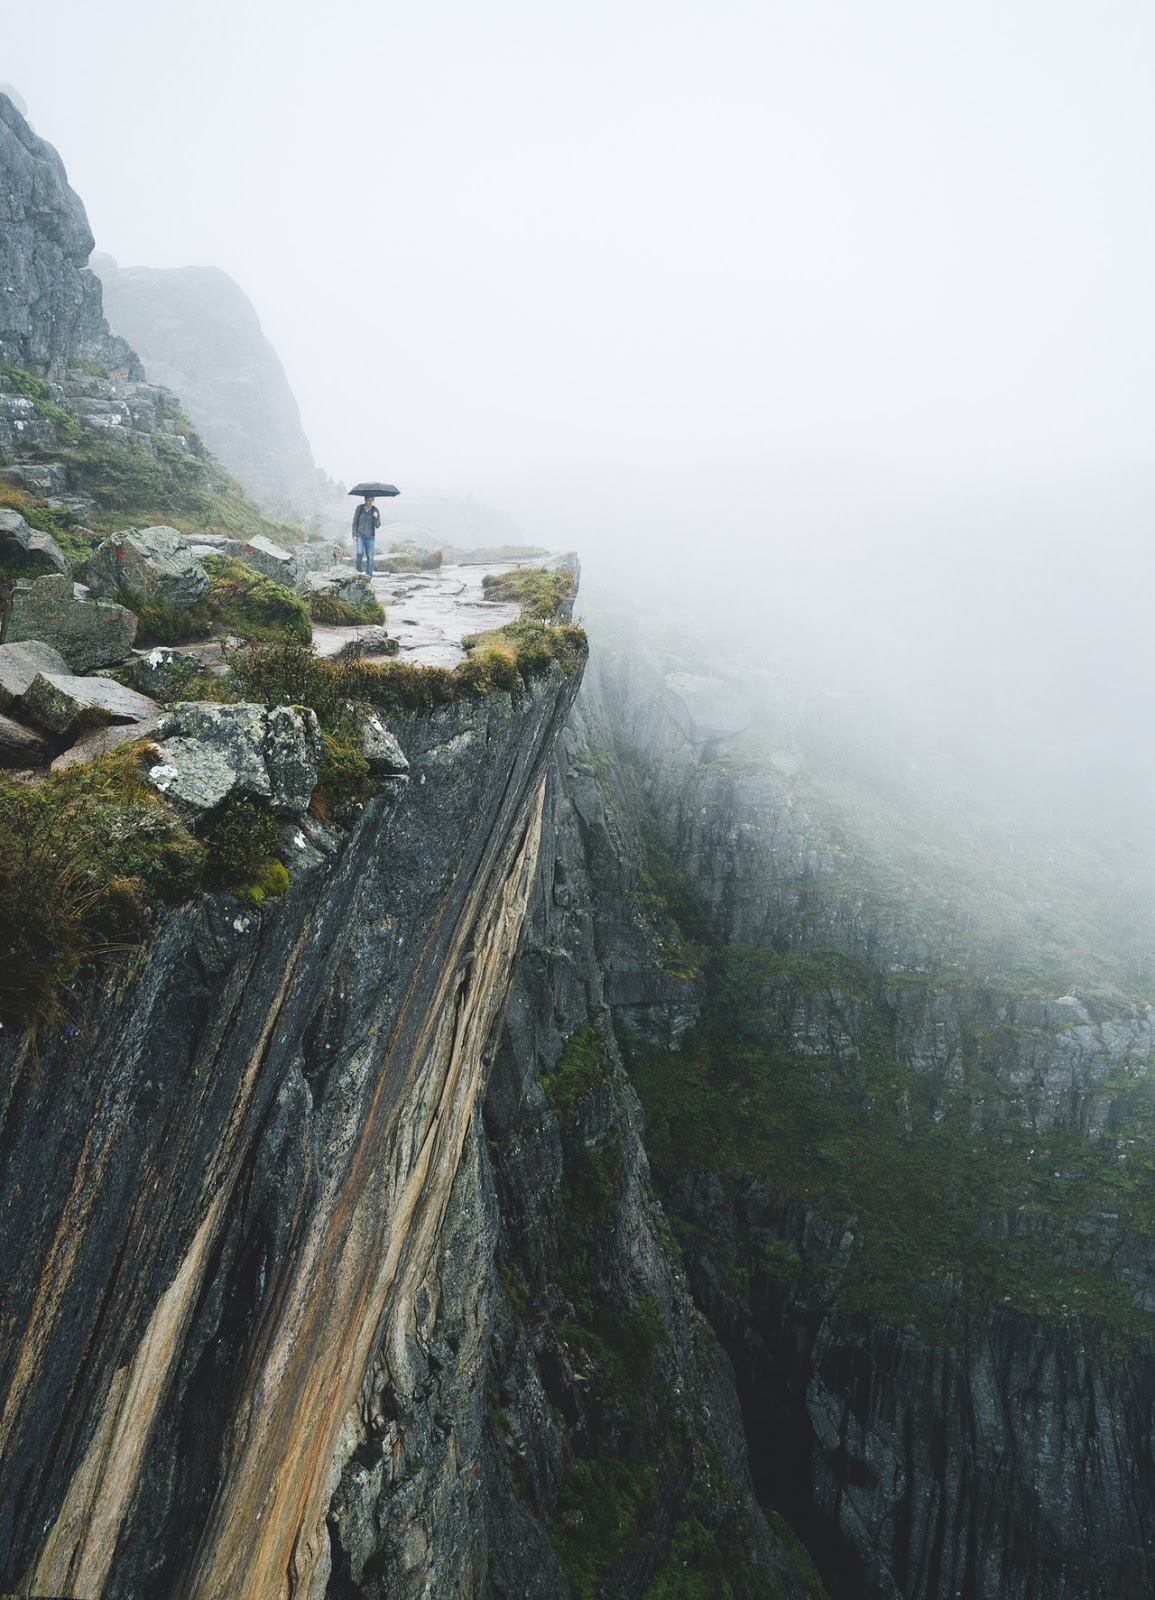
x=429, y=613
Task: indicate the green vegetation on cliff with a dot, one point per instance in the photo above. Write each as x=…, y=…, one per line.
x=932, y=1192
x=541, y=591
x=85, y=857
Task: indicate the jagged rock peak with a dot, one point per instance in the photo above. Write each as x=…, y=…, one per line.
x=51, y=313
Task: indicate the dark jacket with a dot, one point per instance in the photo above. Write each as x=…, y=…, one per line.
x=366, y=521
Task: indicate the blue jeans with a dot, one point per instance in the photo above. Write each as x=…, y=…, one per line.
x=365, y=549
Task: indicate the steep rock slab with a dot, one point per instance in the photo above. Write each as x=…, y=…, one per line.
x=155, y=563
x=226, y=1232
x=87, y=633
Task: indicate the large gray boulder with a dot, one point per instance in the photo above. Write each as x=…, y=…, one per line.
x=19, y=664
x=27, y=550
x=273, y=560
x=62, y=704
x=210, y=753
x=87, y=633
x=155, y=563
x=342, y=583
x=163, y=674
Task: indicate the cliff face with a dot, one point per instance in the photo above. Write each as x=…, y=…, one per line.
x=198, y=335
x=564, y=1422
x=229, y=1183
x=935, y=1278
x=50, y=307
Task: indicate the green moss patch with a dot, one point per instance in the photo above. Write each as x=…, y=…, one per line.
x=541, y=592
x=85, y=857
x=582, y=1067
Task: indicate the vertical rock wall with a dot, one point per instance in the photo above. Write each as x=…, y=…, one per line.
x=229, y=1182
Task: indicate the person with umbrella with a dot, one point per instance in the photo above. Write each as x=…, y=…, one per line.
x=366, y=521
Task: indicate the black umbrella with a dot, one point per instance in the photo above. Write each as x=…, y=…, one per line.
x=374, y=488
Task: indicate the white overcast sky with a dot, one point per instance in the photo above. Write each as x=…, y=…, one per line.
x=504, y=239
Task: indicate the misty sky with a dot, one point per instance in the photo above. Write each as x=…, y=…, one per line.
x=909, y=242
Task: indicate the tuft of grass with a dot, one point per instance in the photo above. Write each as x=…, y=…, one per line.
x=85, y=857
x=331, y=610
x=542, y=592
x=245, y=602
x=343, y=779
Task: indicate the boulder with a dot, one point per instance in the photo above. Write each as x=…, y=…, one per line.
x=371, y=641
x=155, y=563
x=19, y=664
x=25, y=550
x=318, y=554
x=209, y=753
x=216, y=544
x=59, y=703
x=275, y=562
x=87, y=633
x=385, y=756
x=343, y=583
x=163, y=674
x=20, y=746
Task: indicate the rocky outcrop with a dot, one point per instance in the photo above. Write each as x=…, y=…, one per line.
x=287, y=1093
x=198, y=334
x=210, y=753
x=50, y=310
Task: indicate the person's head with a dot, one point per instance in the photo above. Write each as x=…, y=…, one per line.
x=368, y=499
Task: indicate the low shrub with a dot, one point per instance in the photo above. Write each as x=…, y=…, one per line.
x=242, y=843
x=288, y=672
